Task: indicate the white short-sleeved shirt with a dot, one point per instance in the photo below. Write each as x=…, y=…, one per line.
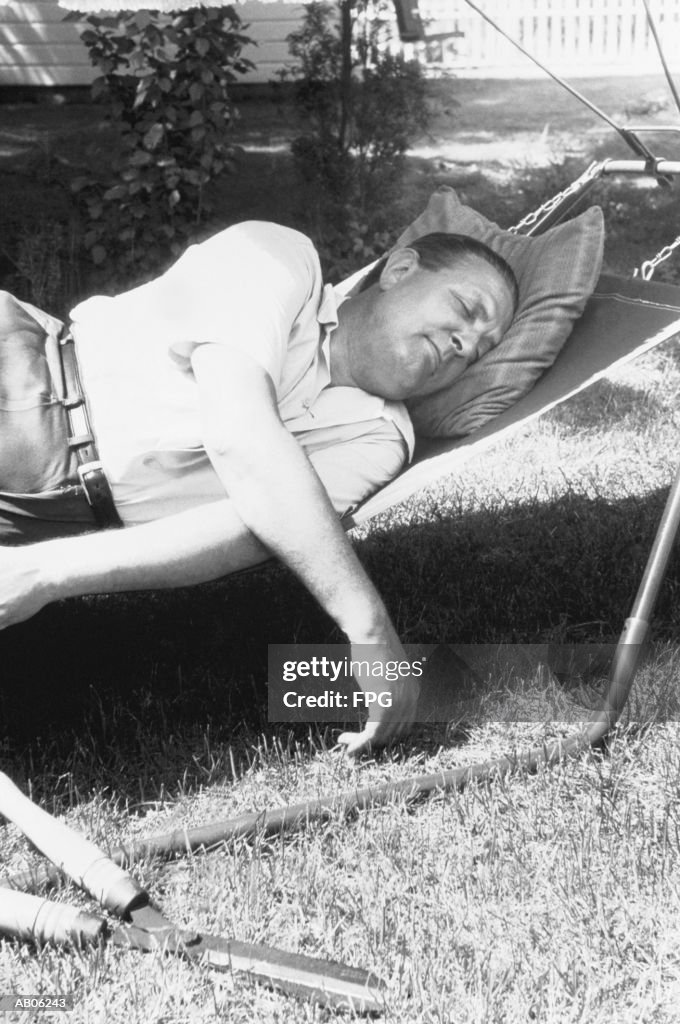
x=256, y=286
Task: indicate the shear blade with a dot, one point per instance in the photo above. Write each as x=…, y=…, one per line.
x=324, y=980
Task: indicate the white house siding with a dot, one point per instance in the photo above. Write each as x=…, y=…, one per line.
x=573, y=36
x=37, y=47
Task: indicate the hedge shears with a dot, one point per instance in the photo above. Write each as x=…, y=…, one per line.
x=144, y=927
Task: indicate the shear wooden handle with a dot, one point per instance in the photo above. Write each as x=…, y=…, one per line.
x=85, y=863
x=33, y=919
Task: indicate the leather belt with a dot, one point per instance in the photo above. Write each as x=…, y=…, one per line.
x=81, y=440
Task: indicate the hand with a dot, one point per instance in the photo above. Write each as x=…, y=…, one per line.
x=391, y=692
x=23, y=591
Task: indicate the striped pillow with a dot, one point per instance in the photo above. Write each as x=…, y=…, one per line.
x=556, y=273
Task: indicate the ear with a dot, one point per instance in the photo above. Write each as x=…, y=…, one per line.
x=399, y=264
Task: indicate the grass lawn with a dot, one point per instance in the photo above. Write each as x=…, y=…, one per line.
x=543, y=898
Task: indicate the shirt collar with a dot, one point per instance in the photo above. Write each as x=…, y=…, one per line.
x=327, y=315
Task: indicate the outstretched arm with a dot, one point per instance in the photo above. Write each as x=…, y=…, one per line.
x=202, y=544
x=281, y=500
x=191, y=547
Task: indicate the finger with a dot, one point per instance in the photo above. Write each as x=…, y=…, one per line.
x=354, y=743
x=360, y=742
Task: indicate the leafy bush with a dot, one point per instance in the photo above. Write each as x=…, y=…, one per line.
x=361, y=106
x=165, y=81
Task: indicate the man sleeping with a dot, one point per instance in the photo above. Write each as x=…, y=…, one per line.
x=237, y=407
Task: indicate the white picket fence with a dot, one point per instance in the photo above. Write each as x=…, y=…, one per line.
x=38, y=47
x=569, y=35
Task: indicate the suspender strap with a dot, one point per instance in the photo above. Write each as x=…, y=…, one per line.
x=81, y=440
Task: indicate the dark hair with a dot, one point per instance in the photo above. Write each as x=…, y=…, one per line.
x=442, y=250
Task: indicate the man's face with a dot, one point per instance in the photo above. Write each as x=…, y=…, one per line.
x=425, y=327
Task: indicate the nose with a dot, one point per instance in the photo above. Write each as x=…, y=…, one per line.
x=462, y=344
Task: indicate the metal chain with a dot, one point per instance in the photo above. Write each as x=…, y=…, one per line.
x=646, y=270
x=550, y=204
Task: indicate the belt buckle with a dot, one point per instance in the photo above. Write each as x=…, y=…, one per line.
x=89, y=467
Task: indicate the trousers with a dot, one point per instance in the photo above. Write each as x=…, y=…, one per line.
x=40, y=493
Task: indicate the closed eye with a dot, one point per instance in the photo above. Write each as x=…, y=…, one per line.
x=467, y=312
x=472, y=312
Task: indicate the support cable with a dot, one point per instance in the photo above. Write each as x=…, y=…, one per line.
x=662, y=56
x=629, y=137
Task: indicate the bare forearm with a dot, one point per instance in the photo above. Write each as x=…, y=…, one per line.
x=192, y=547
x=315, y=547
x=278, y=495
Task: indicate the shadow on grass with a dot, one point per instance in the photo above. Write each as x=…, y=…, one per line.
x=140, y=690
